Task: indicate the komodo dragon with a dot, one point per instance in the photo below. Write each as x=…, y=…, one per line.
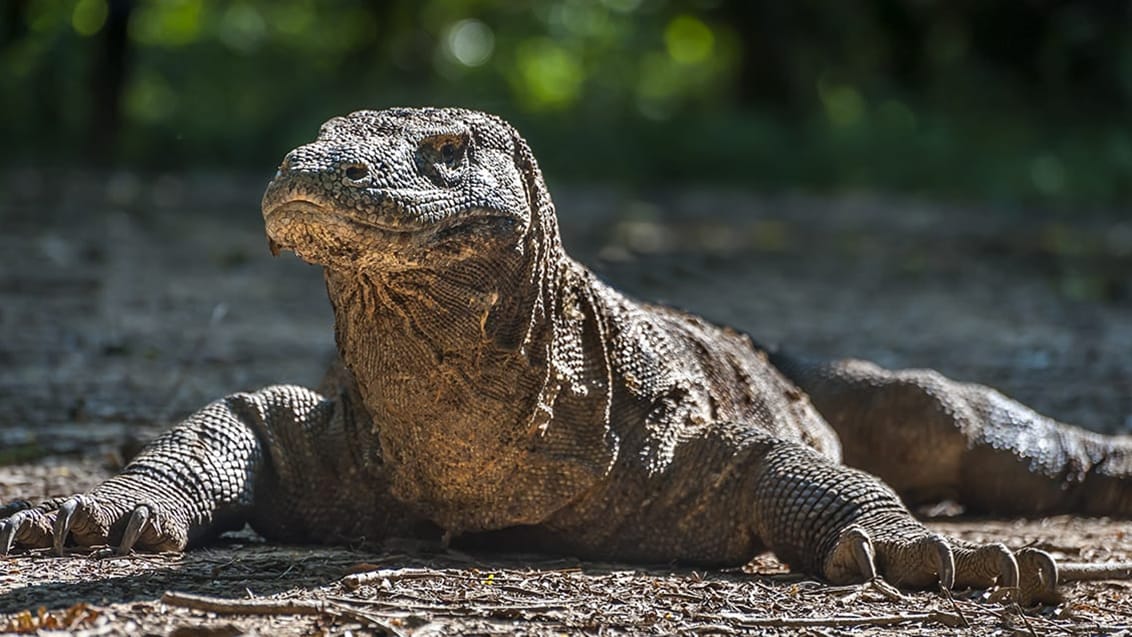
x=492, y=386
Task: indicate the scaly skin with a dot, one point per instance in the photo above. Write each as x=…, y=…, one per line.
x=969, y=442
x=492, y=386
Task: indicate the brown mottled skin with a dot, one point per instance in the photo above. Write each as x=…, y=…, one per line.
x=490, y=383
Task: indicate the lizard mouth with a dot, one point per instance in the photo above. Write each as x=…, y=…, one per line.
x=327, y=235
x=314, y=211
x=311, y=211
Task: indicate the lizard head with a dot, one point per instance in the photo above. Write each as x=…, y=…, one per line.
x=405, y=188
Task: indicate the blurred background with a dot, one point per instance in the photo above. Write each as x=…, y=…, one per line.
x=1005, y=102
x=941, y=183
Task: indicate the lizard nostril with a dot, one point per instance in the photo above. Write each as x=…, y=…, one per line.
x=356, y=172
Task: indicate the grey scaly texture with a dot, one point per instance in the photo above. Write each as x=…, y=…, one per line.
x=489, y=386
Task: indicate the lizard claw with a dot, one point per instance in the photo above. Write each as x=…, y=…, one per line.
x=7, y=536
x=26, y=525
x=1039, y=577
x=861, y=547
x=853, y=557
x=941, y=557
x=921, y=561
x=93, y=519
x=1026, y=576
x=139, y=519
x=987, y=565
x=64, y=520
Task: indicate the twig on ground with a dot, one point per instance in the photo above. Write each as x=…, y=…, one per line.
x=1090, y=572
x=1025, y=621
x=447, y=608
x=713, y=629
x=277, y=607
x=876, y=585
x=357, y=580
x=947, y=619
x=955, y=606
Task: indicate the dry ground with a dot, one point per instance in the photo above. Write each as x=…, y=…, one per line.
x=127, y=302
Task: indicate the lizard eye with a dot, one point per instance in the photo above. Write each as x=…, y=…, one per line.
x=440, y=157
x=356, y=172
x=448, y=153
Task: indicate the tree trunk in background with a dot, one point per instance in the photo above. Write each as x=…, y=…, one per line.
x=14, y=22
x=108, y=80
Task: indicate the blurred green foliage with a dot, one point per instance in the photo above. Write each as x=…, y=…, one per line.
x=1005, y=101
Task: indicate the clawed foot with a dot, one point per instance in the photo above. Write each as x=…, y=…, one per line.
x=1027, y=576
x=89, y=520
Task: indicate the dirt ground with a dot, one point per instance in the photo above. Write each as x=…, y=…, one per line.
x=126, y=302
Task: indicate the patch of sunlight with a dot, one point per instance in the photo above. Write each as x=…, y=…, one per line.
x=552, y=76
x=89, y=16
x=688, y=39
x=470, y=42
x=579, y=19
x=843, y=104
x=242, y=27
x=169, y=23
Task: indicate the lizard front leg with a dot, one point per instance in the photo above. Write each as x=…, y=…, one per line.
x=847, y=526
x=249, y=457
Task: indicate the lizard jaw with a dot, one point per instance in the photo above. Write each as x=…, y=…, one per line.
x=324, y=235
